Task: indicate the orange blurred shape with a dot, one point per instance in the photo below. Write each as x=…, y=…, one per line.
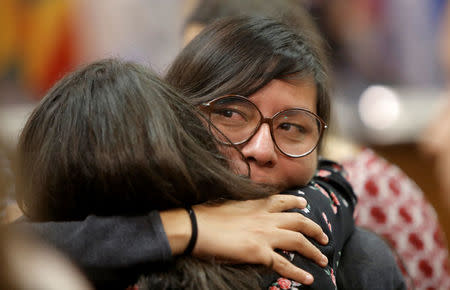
x=39, y=41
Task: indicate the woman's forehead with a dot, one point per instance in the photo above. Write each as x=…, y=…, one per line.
x=279, y=95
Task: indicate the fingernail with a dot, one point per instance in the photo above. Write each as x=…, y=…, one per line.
x=324, y=260
x=303, y=201
x=309, y=278
x=324, y=238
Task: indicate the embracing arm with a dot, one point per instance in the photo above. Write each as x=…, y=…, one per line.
x=228, y=231
x=107, y=242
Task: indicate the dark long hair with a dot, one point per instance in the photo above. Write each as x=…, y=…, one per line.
x=113, y=139
x=240, y=55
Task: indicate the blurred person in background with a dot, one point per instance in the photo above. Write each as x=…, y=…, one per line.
x=7, y=182
x=390, y=203
x=436, y=138
x=28, y=263
x=377, y=42
x=435, y=143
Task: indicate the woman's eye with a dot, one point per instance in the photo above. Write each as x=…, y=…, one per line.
x=230, y=114
x=290, y=126
x=285, y=126
x=226, y=113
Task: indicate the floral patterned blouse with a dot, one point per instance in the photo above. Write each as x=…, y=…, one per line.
x=334, y=203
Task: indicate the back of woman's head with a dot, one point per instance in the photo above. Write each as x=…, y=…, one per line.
x=240, y=55
x=113, y=139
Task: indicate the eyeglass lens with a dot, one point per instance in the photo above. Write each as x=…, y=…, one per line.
x=295, y=131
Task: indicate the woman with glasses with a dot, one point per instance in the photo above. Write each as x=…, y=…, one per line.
x=371, y=180
x=273, y=105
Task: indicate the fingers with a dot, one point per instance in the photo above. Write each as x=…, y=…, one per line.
x=294, y=221
x=286, y=269
x=293, y=241
x=283, y=202
x=313, y=230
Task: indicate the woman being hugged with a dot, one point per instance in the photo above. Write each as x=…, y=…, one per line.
x=265, y=85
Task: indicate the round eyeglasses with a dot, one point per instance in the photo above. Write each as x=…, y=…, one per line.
x=295, y=132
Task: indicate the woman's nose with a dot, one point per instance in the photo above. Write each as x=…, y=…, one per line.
x=261, y=148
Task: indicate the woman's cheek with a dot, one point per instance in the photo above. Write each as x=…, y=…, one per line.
x=302, y=170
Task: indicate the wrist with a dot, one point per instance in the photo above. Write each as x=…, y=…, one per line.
x=177, y=226
x=194, y=231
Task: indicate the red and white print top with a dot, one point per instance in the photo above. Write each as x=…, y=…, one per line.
x=393, y=206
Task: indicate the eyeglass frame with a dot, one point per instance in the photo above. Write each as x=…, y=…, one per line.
x=269, y=121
